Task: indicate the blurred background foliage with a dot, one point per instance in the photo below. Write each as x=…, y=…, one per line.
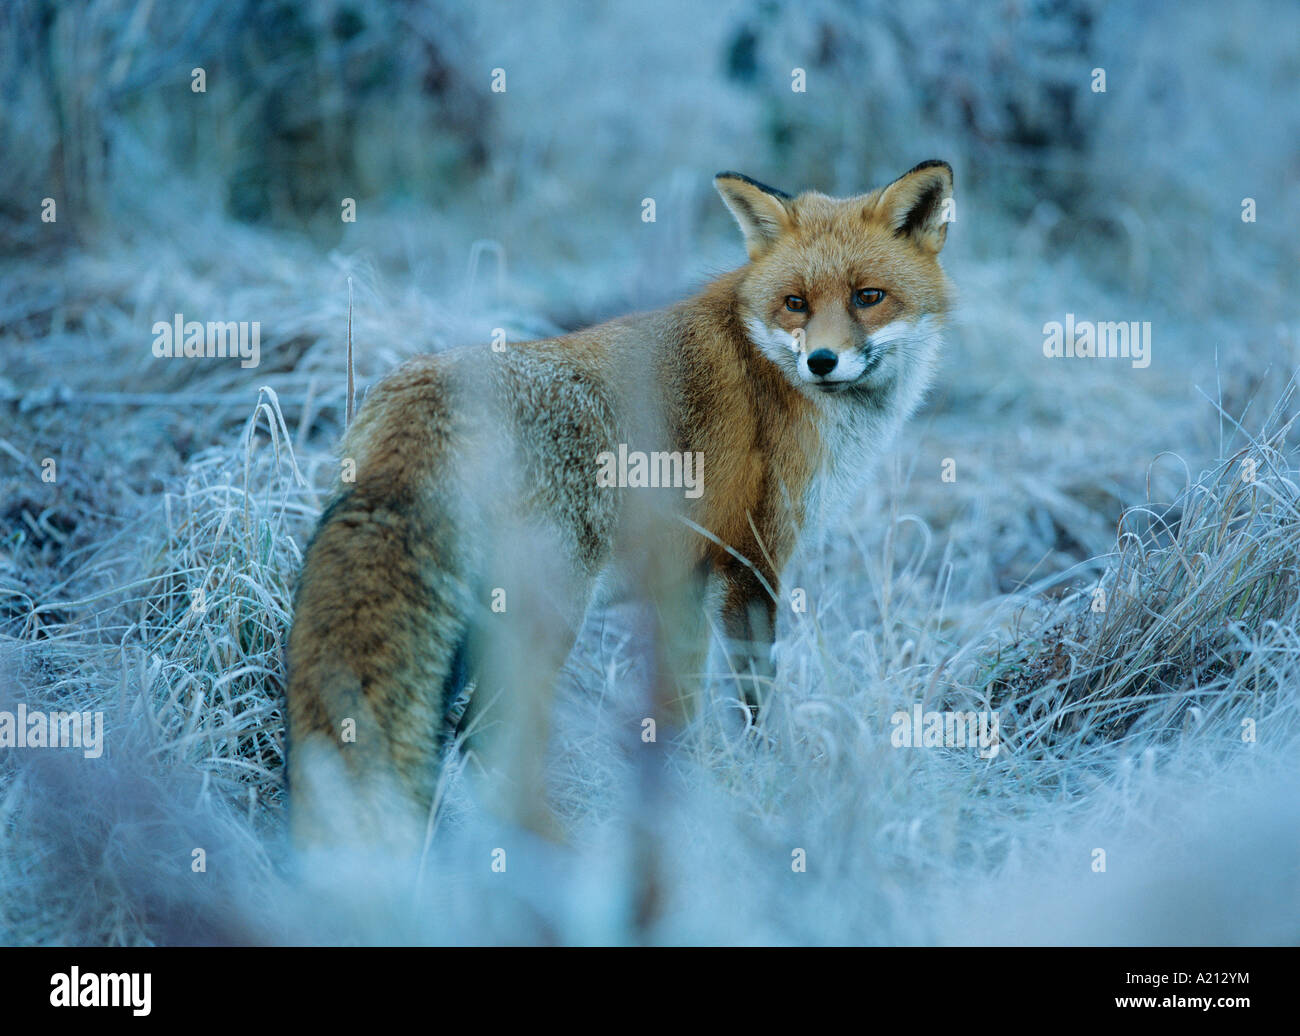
x=391, y=103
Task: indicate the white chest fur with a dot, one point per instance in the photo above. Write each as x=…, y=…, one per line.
x=852, y=440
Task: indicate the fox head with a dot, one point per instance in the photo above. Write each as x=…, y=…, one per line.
x=846, y=295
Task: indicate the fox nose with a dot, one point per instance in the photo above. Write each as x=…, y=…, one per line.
x=822, y=362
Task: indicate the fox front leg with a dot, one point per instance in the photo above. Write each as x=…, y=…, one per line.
x=749, y=627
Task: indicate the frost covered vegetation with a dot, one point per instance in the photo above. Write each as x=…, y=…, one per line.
x=152, y=578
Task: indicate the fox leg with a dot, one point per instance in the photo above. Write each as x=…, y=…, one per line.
x=682, y=642
x=520, y=645
x=749, y=626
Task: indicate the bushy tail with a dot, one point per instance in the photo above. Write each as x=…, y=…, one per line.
x=376, y=656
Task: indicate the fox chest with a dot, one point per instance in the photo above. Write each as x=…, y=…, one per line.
x=850, y=442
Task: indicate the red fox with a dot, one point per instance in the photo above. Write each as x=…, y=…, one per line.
x=493, y=491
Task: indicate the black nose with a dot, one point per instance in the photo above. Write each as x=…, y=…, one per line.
x=822, y=362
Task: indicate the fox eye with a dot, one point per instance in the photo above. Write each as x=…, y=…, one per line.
x=867, y=297
x=796, y=303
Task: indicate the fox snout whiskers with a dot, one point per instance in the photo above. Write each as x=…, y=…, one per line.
x=831, y=371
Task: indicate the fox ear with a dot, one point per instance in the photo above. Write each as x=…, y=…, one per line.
x=760, y=210
x=914, y=205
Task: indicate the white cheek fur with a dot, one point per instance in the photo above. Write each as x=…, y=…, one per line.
x=893, y=332
x=784, y=347
x=772, y=340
